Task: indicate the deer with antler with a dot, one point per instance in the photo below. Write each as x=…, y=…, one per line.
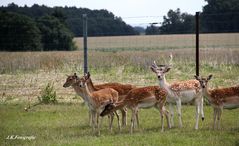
x=144, y=97
x=227, y=98
x=180, y=92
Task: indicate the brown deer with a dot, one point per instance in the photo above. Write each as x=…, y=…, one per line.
x=97, y=100
x=122, y=90
x=145, y=97
x=180, y=92
x=227, y=98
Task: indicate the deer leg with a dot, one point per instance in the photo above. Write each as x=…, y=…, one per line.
x=162, y=121
x=124, y=117
x=179, y=113
x=98, y=123
x=93, y=120
x=214, y=117
x=90, y=118
x=111, y=116
x=197, y=115
x=219, y=117
x=133, y=120
x=118, y=119
x=171, y=114
x=201, y=108
x=137, y=118
x=166, y=112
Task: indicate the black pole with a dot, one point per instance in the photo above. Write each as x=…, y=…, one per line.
x=197, y=43
x=85, y=42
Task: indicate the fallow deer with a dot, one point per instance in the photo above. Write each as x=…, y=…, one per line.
x=227, y=98
x=180, y=92
x=72, y=81
x=122, y=90
x=97, y=100
x=145, y=97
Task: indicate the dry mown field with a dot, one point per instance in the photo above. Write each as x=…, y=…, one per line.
x=23, y=75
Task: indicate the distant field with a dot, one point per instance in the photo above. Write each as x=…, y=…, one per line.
x=114, y=59
x=161, y=41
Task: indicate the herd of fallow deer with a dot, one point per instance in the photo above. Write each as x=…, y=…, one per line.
x=108, y=98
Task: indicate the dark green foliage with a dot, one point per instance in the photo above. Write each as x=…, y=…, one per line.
x=100, y=22
x=18, y=33
x=177, y=22
x=152, y=30
x=174, y=23
x=220, y=16
x=21, y=33
x=48, y=95
x=55, y=35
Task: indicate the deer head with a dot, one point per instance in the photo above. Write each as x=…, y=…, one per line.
x=83, y=80
x=70, y=80
x=108, y=109
x=203, y=81
x=160, y=70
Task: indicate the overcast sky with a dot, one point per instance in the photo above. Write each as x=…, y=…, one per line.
x=134, y=12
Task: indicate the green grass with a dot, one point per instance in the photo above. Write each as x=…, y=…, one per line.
x=67, y=124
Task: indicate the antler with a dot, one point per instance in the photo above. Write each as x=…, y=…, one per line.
x=171, y=59
x=154, y=65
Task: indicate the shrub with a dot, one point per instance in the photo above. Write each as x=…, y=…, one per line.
x=48, y=94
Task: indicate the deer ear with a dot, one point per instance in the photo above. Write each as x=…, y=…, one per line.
x=196, y=77
x=209, y=77
x=75, y=76
x=167, y=69
x=153, y=69
x=88, y=74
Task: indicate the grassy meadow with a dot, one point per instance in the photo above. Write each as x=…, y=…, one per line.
x=114, y=59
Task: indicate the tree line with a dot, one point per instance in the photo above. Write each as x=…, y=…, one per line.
x=19, y=32
x=218, y=16
x=100, y=22
x=44, y=28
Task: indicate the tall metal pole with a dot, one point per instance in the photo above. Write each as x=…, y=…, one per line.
x=197, y=43
x=85, y=42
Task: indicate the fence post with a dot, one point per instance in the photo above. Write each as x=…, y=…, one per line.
x=85, y=42
x=197, y=42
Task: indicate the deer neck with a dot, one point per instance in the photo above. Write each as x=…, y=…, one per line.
x=207, y=93
x=88, y=95
x=78, y=90
x=90, y=85
x=164, y=84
